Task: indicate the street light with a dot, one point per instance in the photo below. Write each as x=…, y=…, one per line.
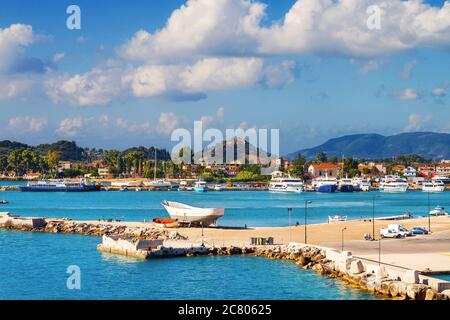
x=379, y=251
x=373, y=216
x=290, y=230
x=342, y=246
x=306, y=219
x=429, y=215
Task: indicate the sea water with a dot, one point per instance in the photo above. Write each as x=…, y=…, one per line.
x=34, y=266
x=251, y=208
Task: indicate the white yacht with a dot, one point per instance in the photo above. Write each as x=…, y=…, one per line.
x=361, y=184
x=393, y=184
x=433, y=186
x=285, y=183
x=325, y=184
x=438, y=211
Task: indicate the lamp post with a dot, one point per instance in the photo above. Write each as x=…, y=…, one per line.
x=342, y=244
x=306, y=219
x=429, y=215
x=379, y=251
x=373, y=216
x=290, y=229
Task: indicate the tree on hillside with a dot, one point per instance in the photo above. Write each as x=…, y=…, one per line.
x=15, y=161
x=321, y=157
x=351, y=167
x=298, y=165
x=52, y=159
x=114, y=160
x=134, y=160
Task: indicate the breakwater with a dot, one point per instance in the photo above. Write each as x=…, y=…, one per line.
x=99, y=229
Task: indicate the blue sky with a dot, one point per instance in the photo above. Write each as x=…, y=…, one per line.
x=130, y=77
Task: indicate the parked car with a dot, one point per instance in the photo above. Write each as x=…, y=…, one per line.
x=419, y=230
x=389, y=233
x=400, y=230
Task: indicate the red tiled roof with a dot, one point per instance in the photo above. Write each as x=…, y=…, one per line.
x=325, y=166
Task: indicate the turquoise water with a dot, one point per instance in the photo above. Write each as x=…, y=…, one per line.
x=254, y=208
x=33, y=266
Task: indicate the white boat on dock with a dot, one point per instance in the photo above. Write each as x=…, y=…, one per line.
x=184, y=213
x=438, y=211
x=337, y=218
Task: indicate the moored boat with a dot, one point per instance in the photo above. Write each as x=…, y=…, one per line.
x=59, y=186
x=433, y=186
x=345, y=185
x=438, y=211
x=200, y=186
x=184, y=213
x=165, y=222
x=393, y=184
x=337, y=218
x=325, y=184
x=281, y=182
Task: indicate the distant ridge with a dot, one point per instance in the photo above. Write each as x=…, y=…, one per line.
x=429, y=145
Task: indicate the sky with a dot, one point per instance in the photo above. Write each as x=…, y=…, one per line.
x=137, y=70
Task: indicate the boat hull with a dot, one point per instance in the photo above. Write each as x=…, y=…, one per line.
x=346, y=188
x=59, y=189
x=193, y=215
x=326, y=188
x=434, y=189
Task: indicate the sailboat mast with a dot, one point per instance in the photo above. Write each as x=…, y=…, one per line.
x=154, y=171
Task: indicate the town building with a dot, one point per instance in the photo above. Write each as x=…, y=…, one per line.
x=443, y=169
x=64, y=165
x=323, y=169
x=409, y=172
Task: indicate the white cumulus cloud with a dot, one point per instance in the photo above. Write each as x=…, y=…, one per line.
x=27, y=124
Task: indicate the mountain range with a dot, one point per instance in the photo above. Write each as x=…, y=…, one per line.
x=429, y=145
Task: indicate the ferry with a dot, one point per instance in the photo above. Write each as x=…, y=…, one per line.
x=433, y=186
x=325, y=184
x=200, y=186
x=444, y=179
x=345, y=185
x=393, y=184
x=286, y=183
x=60, y=186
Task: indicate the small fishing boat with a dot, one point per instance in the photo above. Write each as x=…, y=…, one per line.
x=438, y=211
x=165, y=222
x=4, y=201
x=200, y=186
x=192, y=215
x=218, y=187
x=337, y=218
